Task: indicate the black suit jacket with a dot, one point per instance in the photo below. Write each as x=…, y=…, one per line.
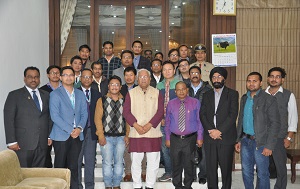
x=153, y=81
x=144, y=63
x=124, y=90
x=46, y=88
x=95, y=95
x=226, y=113
x=24, y=122
x=103, y=86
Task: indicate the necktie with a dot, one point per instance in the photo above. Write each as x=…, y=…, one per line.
x=88, y=106
x=167, y=98
x=36, y=100
x=87, y=94
x=181, y=117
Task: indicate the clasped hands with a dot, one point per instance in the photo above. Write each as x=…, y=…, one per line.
x=142, y=129
x=215, y=134
x=75, y=133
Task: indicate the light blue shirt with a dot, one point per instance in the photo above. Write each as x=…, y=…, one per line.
x=136, y=61
x=197, y=87
x=248, y=125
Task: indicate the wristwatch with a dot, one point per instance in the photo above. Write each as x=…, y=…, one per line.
x=290, y=139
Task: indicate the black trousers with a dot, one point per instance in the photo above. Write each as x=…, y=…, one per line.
x=181, y=152
x=279, y=156
x=66, y=156
x=48, y=162
x=32, y=158
x=219, y=154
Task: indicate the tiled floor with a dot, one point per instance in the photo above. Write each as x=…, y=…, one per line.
x=237, y=183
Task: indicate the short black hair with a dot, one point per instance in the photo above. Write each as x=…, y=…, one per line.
x=127, y=51
x=31, y=68
x=147, y=51
x=183, y=46
x=157, y=60
x=97, y=63
x=130, y=69
x=278, y=69
x=84, y=46
x=160, y=54
x=137, y=41
x=195, y=67
x=66, y=68
x=172, y=50
x=74, y=58
x=108, y=42
x=115, y=77
x=87, y=69
x=51, y=67
x=168, y=62
x=183, y=60
x=255, y=73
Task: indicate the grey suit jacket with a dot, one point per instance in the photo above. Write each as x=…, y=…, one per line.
x=23, y=121
x=120, y=72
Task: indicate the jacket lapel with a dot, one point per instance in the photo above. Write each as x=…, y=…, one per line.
x=223, y=97
x=28, y=97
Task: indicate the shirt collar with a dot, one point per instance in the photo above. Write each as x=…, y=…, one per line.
x=279, y=90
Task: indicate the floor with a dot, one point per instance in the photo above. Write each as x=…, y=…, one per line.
x=237, y=182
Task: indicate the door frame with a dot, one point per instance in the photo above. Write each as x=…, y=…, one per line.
x=130, y=7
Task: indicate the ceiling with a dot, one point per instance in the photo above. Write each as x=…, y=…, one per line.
x=116, y=15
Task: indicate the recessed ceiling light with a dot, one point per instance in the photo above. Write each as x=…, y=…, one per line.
x=169, y=36
x=156, y=50
x=139, y=37
x=115, y=16
x=113, y=33
x=183, y=3
x=175, y=6
x=172, y=23
x=160, y=31
x=89, y=6
x=143, y=7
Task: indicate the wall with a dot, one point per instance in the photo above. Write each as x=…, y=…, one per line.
x=24, y=36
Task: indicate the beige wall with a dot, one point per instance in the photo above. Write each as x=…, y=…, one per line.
x=268, y=35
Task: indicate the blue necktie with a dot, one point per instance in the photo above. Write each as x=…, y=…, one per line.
x=87, y=95
x=36, y=100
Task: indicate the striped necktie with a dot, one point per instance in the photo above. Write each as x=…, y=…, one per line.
x=181, y=117
x=36, y=100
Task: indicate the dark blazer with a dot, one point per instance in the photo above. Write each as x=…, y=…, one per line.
x=103, y=86
x=46, y=88
x=95, y=95
x=226, y=113
x=153, y=81
x=124, y=90
x=144, y=63
x=23, y=121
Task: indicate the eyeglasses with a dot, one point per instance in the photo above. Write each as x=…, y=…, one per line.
x=195, y=73
x=217, y=77
x=114, y=84
x=155, y=65
x=54, y=73
x=183, y=65
x=174, y=55
x=87, y=77
x=127, y=57
x=143, y=77
x=275, y=76
x=67, y=75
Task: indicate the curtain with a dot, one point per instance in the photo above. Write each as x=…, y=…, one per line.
x=67, y=10
x=268, y=35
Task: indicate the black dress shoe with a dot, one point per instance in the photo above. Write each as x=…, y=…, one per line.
x=148, y=188
x=202, y=180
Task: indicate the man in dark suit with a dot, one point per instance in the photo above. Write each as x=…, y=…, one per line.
x=100, y=82
x=27, y=121
x=68, y=110
x=88, y=149
x=126, y=60
x=156, y=75
x=218, y=115
x=139, y=61
x=53, y=73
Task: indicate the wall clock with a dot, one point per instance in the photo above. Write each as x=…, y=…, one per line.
x=224, y=7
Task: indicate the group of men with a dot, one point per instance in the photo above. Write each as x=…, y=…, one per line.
x=144, y=112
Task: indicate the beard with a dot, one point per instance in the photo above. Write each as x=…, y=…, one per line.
x=219, y=85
